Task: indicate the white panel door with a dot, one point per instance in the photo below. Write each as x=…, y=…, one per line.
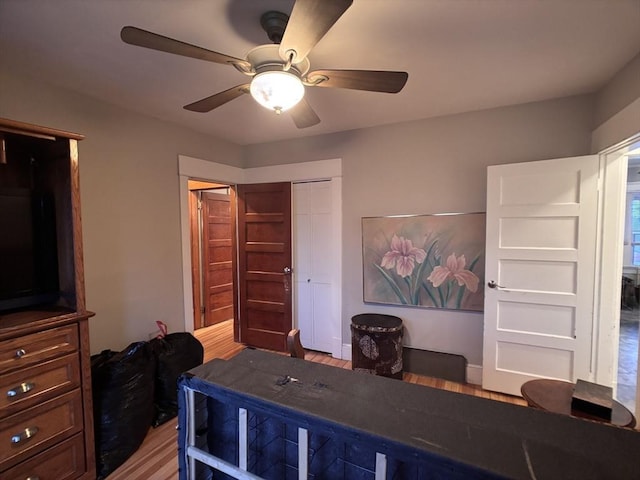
x=541, y=250
x=313, y=249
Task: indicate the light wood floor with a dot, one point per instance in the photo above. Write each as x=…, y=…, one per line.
x=157, y=457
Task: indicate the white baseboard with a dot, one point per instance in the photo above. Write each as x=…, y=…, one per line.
x=474, y=374
x=346, y=352
x=336, y=347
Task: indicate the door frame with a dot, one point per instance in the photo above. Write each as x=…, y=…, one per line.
x=195, y=168
x=611, y=215
x=195, y=188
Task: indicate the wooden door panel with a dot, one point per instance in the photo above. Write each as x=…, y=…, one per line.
x=264, y=262
x=221, y=303
x=264, y=245
x=222, y=274
x=220, y=254
x=264, y=327
x=217, y=258
x=264, y=291
x=267, y=200
x=219, y=230
x=219, y=209
x=221, y=295
x=272, y=230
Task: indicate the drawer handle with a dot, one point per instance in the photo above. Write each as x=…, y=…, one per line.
x=20, y=389
x=20, y=353
x=32, y=477
x=26, y=434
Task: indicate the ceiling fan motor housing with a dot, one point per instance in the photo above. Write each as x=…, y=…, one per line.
x=274, y=23
x=265, y=58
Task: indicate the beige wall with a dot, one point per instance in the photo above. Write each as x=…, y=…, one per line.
x=432, y=166
x=131, y=202
x=617, y=108
x=130, y=205
x=619, y=92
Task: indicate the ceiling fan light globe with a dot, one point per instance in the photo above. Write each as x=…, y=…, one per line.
x=277, y=90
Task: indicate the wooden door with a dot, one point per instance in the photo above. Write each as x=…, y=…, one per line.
x=540, y=269
x=217, y=257
x=264, y=264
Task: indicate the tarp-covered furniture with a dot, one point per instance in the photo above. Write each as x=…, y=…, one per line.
x=276, y=417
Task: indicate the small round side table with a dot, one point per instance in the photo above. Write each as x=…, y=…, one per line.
x=555, y=396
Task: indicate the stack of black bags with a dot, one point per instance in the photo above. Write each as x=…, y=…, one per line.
x=135, y=389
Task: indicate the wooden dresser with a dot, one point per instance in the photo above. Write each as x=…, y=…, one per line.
x=46, y=414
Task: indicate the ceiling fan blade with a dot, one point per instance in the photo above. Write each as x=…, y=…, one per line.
x=214, y=101
x=370, y=80
x=143, y=38
x=303, y=115
x=309, y=21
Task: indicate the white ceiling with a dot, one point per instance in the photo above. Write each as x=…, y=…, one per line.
x=461, y=55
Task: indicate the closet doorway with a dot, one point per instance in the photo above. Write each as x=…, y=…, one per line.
x=212, y=225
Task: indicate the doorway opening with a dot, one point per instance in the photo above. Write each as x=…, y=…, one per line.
x=240, y=243
x=212, y=228
x=190, y=168
x=627, y=376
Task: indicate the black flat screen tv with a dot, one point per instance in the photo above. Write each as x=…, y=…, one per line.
x=28, y=249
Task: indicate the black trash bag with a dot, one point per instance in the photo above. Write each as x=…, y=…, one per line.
x=123, y=384
x=175, y=353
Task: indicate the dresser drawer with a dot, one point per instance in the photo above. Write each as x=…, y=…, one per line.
x=38, y=428
x=38, y=347
x=65, y=461
x=31, y=386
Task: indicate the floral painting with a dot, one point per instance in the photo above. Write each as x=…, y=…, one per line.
x=433, y=261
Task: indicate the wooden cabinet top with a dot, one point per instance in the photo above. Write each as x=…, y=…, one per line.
x=13, y=126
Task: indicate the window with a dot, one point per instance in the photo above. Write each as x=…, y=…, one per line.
x=633, y=222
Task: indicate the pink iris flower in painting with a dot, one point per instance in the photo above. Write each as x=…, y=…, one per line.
x=454, y=269
x=403, y=256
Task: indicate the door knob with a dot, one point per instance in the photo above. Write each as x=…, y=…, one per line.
x=287, y=270
x=493, y=284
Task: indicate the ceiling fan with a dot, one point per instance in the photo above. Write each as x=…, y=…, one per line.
x=279, y=71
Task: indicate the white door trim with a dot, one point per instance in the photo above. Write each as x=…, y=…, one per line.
x=613, y=175
x=613, y=169
x=194, y=168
